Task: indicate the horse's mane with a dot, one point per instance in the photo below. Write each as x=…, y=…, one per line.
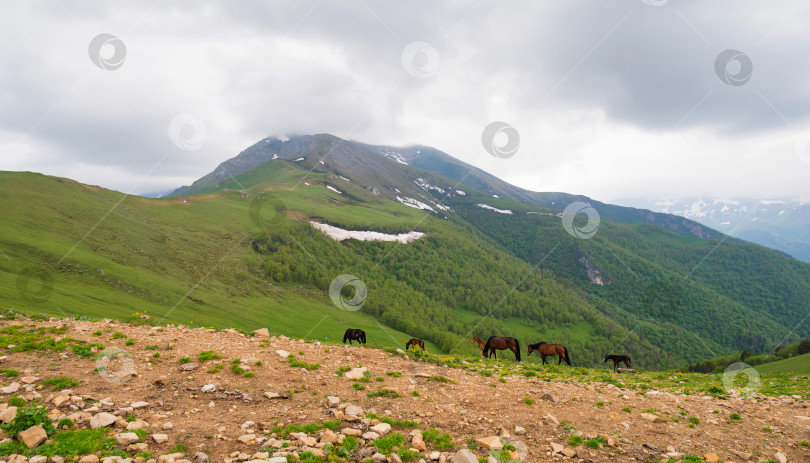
x=535, y=346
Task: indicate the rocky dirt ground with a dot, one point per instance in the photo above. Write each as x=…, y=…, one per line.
x=231, y=416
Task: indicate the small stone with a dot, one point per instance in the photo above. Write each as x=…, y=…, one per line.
x=418, y=441
x=168, y=425
x=434, y=456
x=38, y=459
x=381, y=429
x=200, y=457
x=556, y=448
x=189, y=366
x=33, y=436
x=780, y=457
x=329, y=437
x=548, y=397
x=272, y=395
x=652, y=418
x=332, y=401
x=209, y=388
x=711, y=457
x=160, y=438
x=744, y=456
x=89, y=459
x=492, y=443
x=262, y=333
x=370, y=435
x=8, y=414
x=277, y=460
x=102, y=420
x=10, y=389
x=351, y=432
x=465, y=456
x=126, y=438
x=283, y=353
x=569, y=453
x=140, y=404
x=519, y=430
x=356, y=373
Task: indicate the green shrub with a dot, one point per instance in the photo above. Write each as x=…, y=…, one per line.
x=575, y=440
x=61, y=382
x=208, y=355
x=27, y=417
x=439, y=441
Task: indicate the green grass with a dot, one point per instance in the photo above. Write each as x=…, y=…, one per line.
x=62, y=382
x=208, y=355
x=789, y=366
x=77, y=442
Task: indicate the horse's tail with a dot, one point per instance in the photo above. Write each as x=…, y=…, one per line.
x=345, y=336
x=567, y=358
x=517, y=350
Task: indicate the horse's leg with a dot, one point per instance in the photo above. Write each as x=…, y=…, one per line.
x=559, y=359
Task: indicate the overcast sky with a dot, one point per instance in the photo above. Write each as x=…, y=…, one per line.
x=618, y=99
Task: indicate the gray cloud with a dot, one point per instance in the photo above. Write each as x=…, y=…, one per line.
x=609, y=97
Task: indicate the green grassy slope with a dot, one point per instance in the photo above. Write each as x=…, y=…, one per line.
x=793, y=365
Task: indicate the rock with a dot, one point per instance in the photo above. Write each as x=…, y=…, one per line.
x=332, y=401
x=89, y=459
x=379, y=457
x=200, y=457
x=418, y=441
x=170, y=457
x=370, y=435
x=550, y=419
x=744, y=456
x=60, y=399
x=29, y=379
x=569, y=453
x=548, y=397
x=189, y=366
x=102, y=420
x=556, y=448
x=8, y=414
x=653, y=418
x=353, y=410
x=492, y=443
x=272, y=395
x=160, y=438
x=394, y=458
x=434, y=456
x=520, y=430
x=126, y=438
x=351, y=432
x=209, y=388
x=10, y=389
x=329, y=437
x=711, y=457
x=140, y=404
x=582, y=453
x=137, y=424
x=260, y=456
x=465, y=456
x=277, y=460
x=168, y=425
x=246, y=438
x=356, y=373
x=56, y=459
x=262, y=333
x=33, y=436
x=780, y=457
x=38, y=459
x=137, y=448
x=674, y=455
x=282, y=353
x=381, y=429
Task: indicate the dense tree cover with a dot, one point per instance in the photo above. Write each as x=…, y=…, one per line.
x=693, y=297
x=414, y=287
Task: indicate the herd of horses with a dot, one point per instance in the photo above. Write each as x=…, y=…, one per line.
x=489, y=347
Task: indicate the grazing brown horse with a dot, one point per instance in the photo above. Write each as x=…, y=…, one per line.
x=354, y=334
x=481, y=343
x=502, y=343
x=550, y=350
x=617, y=359
x=415, y=342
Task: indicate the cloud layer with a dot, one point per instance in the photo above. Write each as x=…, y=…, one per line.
x=611, y=99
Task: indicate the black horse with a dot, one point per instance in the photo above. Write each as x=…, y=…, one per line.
x=415, y=342
x=501, y=343
x=617, y=359
x=354, y=334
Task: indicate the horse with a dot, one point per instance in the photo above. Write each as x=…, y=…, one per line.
x=502, y=343
x=415, y=342
x=354, y=334
x=617, y=359
x=545, y=349
x=481, y=343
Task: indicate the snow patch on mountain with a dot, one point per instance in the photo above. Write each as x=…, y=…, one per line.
x=334, y=189
x=340, y=234
x=415, y=203
x=427, y=186
x=487, y=206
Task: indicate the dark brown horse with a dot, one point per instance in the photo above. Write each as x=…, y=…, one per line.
x=502, y=343
x=415, y=342
x=481, y=343
x=354, y=334
x=617, y=359
x=550, y=350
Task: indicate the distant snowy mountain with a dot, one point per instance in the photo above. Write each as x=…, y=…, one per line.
x=782, y=224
